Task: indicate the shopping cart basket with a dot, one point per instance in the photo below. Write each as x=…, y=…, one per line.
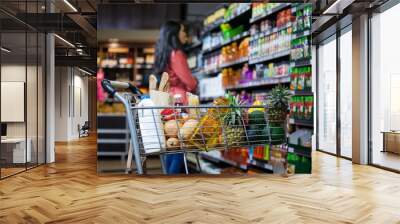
x=160, y=130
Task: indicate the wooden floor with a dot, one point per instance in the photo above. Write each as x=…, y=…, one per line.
x=70, y=191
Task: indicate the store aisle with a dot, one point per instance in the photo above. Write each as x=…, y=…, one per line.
x=71, y=191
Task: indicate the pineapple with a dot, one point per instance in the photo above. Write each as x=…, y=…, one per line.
x=278, y=104
x=233, y=123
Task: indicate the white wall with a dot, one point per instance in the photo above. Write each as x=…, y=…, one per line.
x=71, y=102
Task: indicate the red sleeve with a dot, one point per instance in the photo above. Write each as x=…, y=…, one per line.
x=181, y=68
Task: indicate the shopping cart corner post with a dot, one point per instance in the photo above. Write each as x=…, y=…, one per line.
x=132, y=130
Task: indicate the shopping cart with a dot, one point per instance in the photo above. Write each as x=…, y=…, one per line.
x=160, y=130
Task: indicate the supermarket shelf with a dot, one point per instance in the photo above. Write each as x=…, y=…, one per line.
x=212, y=49
x=217, y=159
x=274, y=30
x=237, y=62
x=259, y=83
x=298, y=7
x=302, y=93
x=300, y=152
x=216, y=24
x=301, y=123
x=246, y=10
x=206, y=167
x=262, y=165
x=267, y=58
x=194, y=46
x=268, y=13
x=301, y=34
x=300, y=63
x=211, y=72
x=213, y=27
x=236, y=38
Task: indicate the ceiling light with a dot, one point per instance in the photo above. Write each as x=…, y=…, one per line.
x=84, y=71
x=64, y=40
x=338, y=6
x=5, y=50
x=70, y=5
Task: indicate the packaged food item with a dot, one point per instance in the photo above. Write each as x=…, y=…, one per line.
x=301, y=79
x=293, y=79
x=193, y=100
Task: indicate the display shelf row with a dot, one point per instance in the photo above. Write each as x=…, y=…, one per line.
x=300, y=63
x=301, y=34
x=304, y=123
x=217, y=158
x=218, y=23
x=236, y=38
x=274, y=30
x=261, y=164
x=267, y=58
x=261, y=83
x=301, y=93
x=269, y=13
x=234, y=63
x=305, y=153
x=211, y=71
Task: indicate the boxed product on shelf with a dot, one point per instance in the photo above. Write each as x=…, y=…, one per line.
x=302, y=107
x=212, y=40
x=302, y=164
x=270, y=44
x=228, y=32
x=301, y=48
x=235, y=9
x=260, y=152
x=303, y=19
x=215, y=17
x=211, y=87
x=259, y=9
x=284, y=17
x=212, y=62
x=301, y=78
x=230, y=77
x=234, y=52
x=271, y=70
x=238, y=155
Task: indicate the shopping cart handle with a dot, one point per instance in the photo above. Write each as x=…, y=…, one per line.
x=111, y=86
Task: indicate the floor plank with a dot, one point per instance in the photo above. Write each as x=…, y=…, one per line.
x=70, y=191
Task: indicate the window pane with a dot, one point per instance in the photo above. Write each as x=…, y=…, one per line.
x=327, y=97
x=346, y=94
x=385, y=88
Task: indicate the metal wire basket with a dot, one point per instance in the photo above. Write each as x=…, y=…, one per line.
x=185, y=129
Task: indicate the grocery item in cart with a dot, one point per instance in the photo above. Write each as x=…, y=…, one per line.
x=150, y=126
x=206, y=134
